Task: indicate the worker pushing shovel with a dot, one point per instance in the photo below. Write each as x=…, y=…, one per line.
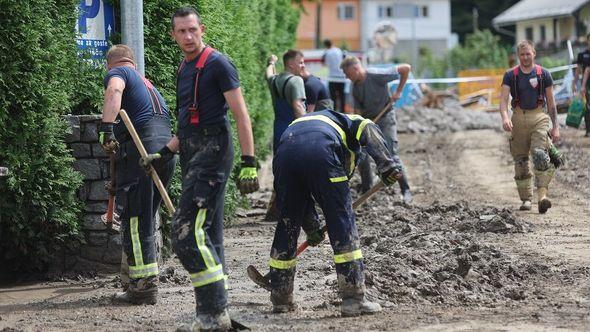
x=314, y=160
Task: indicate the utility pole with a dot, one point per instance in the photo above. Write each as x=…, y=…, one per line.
x=132, y=29
x=475, y=13
x=318, y=25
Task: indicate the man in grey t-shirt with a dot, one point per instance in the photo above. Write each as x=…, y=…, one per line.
x=371, y=94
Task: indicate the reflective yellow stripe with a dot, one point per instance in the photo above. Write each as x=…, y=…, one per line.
x=200, y=238
x=338, y=129
x=135, y=241
x=339, y=179
x=525, y=183
x=359, y=132
x=348, y=256
x=142, y=271
x=326, y=120
x=354, y=117
x=282, y=265
x=225, y=278
x=208, y=276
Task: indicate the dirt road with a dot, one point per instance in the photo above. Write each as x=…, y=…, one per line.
x=460, y=258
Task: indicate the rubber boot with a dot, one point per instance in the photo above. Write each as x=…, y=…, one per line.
x=140, y=291
x=212, y=322
x=281, y=295
x=544, y=202
x=526, y=205
x=354, y=302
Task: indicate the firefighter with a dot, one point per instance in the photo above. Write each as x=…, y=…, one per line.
x=137, y=196
x=531, y=88
x=314, y=161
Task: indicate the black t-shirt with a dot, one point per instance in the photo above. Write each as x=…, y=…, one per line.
x=136, y=97
x=583, y=60
x=218, y=76
x=528, y=91
x=315, y=90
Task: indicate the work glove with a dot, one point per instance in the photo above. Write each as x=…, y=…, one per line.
x=107, y=138
x=391, y=175
x=315, y=237
x=158, y=160
x=556, y=157
x=248, y=178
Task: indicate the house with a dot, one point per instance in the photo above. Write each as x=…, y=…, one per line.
x=417, y=23
x=337, y=20
x=400, y=27
x=546, y=22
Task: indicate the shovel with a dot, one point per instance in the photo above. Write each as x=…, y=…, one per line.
x=264, y=280
x=110, y=218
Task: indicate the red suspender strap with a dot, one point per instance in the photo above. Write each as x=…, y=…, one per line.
x=194, y=108
x=156, y=107
x=541, y=95
x=515, y=99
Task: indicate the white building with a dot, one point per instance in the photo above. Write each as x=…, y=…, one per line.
x=417, y=23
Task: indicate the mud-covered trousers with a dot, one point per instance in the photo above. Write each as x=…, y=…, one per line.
x=138, y=198
x=306, y=167
x=197, y=228
x=388, y=125
x=530, y=138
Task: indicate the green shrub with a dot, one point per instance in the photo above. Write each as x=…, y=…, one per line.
x=39, y=212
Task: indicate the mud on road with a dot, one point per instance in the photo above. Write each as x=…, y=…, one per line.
x=460, y=258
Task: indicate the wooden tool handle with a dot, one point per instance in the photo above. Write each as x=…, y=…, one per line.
x=143, y=154
x=359, y=201
x=384, y=111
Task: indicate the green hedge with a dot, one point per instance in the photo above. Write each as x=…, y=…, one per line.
x=39, y=212
x=41, y=78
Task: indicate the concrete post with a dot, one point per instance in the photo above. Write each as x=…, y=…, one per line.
x=132, y=29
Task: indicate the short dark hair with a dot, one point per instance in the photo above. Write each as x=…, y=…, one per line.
x=184, y=12
x=290, y=55
x=327, y=43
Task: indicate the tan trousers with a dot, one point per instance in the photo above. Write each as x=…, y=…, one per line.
x=529, y=132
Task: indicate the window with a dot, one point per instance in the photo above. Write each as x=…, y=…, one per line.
x=543, y=36
x=424, y=11
x=345, y=11
x=528, y=33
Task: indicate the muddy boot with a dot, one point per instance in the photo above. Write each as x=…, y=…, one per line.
x=544, y=202
x=140, y=291
x=212, y=322
x=407, y=197
x=526, y=206
x=354, y=302
x=282, y=303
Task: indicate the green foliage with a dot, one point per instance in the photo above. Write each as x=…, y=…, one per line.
x=481, y=50
x=462, y=15
x=39, y=212
x=549, y=62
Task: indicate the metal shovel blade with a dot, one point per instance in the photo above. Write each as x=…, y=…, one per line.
x=258, y=278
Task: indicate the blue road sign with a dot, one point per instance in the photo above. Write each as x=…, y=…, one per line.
x=95, y=25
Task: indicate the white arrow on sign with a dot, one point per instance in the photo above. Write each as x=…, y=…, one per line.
x=109, y=30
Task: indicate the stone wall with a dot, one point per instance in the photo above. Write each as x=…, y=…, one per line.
x=102, y=251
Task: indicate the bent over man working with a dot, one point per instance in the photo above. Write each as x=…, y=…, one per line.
x=371, y=95
x=137, y=195
x=314, y=161
x=207, y=85
x=531, y=87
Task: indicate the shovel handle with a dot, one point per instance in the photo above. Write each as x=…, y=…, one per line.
x=359, y=201
x=384, y=111
x=112, y=186
x=143, y=154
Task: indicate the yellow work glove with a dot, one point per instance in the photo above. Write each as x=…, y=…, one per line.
x=248, y=179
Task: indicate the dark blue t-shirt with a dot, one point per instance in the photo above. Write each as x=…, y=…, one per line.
x=218, y=76
x=136, y=100
x=528, y=90
x=315, y=90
